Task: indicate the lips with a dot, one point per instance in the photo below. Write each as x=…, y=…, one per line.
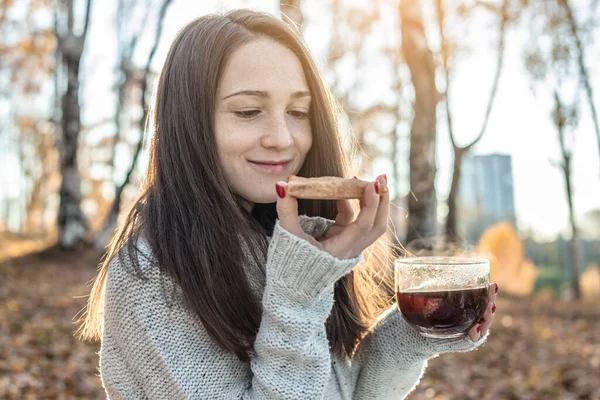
x=273, y=167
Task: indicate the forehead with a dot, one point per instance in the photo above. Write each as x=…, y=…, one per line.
x=263, y=64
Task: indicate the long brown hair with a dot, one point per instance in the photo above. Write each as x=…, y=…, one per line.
x=187, y=212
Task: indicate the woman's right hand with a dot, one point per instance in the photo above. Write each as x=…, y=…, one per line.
x=348, y=237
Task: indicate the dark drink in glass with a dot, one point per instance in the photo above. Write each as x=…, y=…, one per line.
x=444, y=312
x=442, y=297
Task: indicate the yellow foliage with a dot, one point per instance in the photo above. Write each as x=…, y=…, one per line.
x=590, y=283
x=26, y=45
x=25, y=123
x=508, y=266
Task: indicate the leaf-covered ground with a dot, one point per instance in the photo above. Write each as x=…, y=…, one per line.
x=538, y=349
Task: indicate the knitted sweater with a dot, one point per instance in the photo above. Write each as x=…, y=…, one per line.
x=155, y=348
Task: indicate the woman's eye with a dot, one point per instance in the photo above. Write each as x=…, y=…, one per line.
x=298, y=114
x=247, y=113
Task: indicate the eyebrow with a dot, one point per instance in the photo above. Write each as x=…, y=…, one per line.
x=259, y=93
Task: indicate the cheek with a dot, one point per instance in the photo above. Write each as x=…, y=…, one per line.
x=232, y=141
x=305, y=141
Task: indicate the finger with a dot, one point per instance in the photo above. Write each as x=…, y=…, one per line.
x=493, y=290
x=344, y=217
x=488, y=318
x=332, y=231
x=287, y=210
x=481, y=328
x=493, y=293
x=366, y=218
x=475, y=332
x=382, y=216
x=345, y=214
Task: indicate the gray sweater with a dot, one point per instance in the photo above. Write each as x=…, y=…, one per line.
x=153, y=347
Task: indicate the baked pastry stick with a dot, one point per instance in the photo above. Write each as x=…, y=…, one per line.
x=328, y=188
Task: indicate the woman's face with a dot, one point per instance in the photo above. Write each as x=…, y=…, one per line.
x=262, y=128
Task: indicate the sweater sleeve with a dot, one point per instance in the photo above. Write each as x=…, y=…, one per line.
x=392, y=358
x=152, y=349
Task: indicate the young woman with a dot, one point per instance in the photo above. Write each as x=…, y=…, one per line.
x=222, y=285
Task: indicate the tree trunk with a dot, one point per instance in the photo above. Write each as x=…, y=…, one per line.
x=573, y=247
x=72, y=224
x=422, y=203
x=292, y=9
x=450, y=228
x=561, y=118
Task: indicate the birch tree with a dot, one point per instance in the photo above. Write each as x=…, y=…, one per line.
x=72, y=223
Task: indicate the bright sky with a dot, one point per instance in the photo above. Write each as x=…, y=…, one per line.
x=519, y=124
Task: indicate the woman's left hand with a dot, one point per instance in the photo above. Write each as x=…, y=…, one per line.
x=484, y=324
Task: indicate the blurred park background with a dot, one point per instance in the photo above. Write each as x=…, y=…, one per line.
x=483, y=114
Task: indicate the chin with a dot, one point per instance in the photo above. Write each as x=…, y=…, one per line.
x=266, y=199
x=261, y=197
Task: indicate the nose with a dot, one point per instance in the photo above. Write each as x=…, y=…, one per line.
x=277, y=134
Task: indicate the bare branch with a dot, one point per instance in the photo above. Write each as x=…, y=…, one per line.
x=582, y=67
x=59, y=39
x=88, y=11
x=111, y=218
x=499, y=66
x=136, y=37
x=159, y=29
x=559, y=115
x=124, y=69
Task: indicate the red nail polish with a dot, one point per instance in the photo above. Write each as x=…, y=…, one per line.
x=478, y=328
x=280, y=190
x=385, y=177
x=494, y=308
x=354, y=177
x=377, y=187
x=496, y=289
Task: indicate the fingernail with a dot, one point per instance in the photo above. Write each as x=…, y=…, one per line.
x=494, y=308
x=385, y=177
x=478, y=328
x=354, y=177
x=377, y=187
x=280, y=190
x=496, y=289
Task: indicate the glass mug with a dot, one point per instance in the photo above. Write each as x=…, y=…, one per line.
x=442, y=297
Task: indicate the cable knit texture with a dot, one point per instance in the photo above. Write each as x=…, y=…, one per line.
x=153, y=347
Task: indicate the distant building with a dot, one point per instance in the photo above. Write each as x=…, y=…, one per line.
x=486, y=194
